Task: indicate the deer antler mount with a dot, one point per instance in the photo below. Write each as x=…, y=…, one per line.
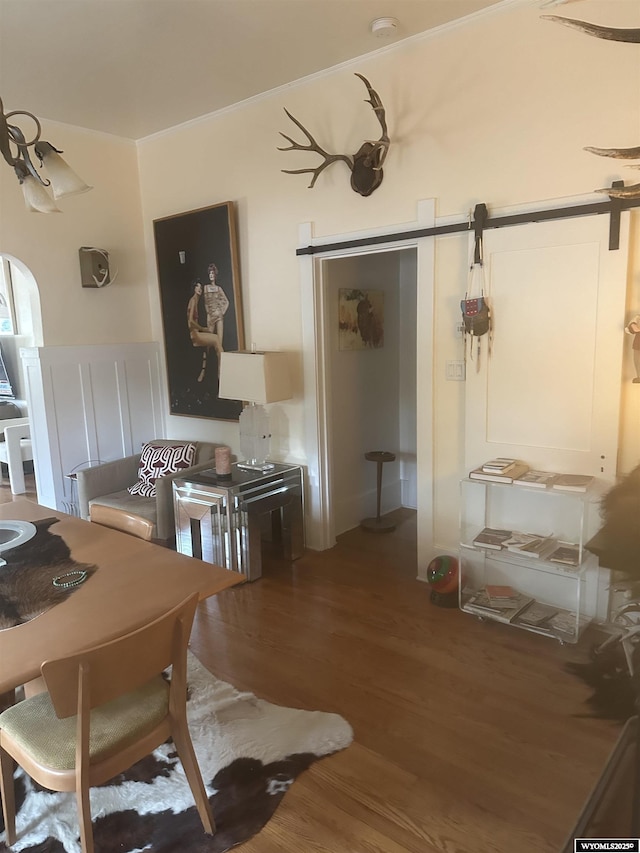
x=365, y=164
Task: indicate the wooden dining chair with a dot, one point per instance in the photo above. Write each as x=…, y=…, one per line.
x=106, y=708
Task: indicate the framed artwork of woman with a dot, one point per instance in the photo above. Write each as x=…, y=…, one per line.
x=198, y=276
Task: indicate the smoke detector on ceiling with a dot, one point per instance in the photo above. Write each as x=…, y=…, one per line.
x=384, y=28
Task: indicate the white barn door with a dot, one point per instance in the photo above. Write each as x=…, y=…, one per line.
x=549, y=394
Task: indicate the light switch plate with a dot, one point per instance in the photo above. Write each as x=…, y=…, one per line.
x=456, y=371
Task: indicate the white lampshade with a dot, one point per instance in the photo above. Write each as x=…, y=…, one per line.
x=36, y=198
x=257, y=377
x=64, y=181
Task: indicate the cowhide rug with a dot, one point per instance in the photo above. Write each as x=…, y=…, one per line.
x=249, y=752
x=26, y=581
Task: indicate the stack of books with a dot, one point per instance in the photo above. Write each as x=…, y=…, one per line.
x=500, y=594
x=566, y=553
x=499, y=470
x=536, y=615
x=531, y=545
x=572, y=482
x=566, y=625
x=506, y=470
x=492, y=537
x=503, y=605
x=500, y=465
x=536, y=479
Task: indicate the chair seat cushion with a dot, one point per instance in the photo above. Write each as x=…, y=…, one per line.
x=158, y=460
x=33, y=724
x=121, y=519
x=135, y=504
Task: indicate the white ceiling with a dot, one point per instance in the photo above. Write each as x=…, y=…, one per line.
x=134, y=67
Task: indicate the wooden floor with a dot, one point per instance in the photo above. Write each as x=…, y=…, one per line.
x=468, y=735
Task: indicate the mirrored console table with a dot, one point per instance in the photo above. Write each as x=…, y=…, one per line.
x=219, y=519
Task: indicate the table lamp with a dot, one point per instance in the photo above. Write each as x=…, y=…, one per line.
x=256, y=378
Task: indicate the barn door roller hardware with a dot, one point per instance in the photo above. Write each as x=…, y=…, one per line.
x=480, y=217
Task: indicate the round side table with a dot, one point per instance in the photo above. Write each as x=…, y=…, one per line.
x=377, y=524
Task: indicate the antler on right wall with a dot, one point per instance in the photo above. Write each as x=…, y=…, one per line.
x=626, y=34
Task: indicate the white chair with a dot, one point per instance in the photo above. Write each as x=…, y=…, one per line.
x=14, y=450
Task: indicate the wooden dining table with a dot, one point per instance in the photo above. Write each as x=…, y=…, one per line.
x=134, y=582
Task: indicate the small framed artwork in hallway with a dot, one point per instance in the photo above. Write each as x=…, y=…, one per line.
x=361, y=323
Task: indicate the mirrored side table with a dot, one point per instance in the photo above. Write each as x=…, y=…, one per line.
x=219, y=519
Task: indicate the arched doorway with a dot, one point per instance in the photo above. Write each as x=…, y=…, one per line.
x=20, y=324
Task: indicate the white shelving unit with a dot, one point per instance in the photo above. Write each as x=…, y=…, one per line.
x=574, y=591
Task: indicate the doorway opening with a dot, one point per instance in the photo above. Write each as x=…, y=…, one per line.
x=370, y=367
x=316, y=321
x=20, y=326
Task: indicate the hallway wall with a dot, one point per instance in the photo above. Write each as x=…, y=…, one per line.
x=407, y=440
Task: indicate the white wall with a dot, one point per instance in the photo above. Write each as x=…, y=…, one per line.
x=109, y=216
x=497, y=110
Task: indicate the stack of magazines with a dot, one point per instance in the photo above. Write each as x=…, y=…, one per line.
x=530, y=545
x=537, y=546
x=492, y=537
x=536, y=615
x=536, y=479
x=505, y=604
x=504, y=469
x=502, y=603
x=566, y=553
x=566, y=624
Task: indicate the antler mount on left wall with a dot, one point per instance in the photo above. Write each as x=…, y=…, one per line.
x=365, y=164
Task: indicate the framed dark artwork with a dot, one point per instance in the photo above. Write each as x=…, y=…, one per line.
x=198, y=275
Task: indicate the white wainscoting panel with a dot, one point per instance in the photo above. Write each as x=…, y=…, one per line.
x=88, y=403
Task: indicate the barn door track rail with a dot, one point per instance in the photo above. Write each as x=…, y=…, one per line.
x=614, y=207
